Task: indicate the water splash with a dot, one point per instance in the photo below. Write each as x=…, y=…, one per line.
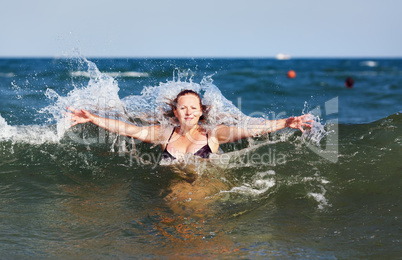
x=259, y=184
x=32, y=134
x=100, y=96
x=319, y=197
x=126, y=74
x=150, y=106
x=317, y=132
x=6, y=130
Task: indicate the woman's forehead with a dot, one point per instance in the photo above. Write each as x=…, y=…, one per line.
x=188, y=99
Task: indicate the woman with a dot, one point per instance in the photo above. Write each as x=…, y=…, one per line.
x=190, y=195
x=189, y=136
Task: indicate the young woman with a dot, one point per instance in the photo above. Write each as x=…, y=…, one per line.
x=189, y=136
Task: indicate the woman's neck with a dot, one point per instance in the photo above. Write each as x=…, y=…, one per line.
x=188, y=130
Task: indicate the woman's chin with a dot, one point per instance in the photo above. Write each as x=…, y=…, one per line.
x=189, y=123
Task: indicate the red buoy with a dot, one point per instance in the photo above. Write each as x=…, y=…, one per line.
x=291, y=74
x=349, y=82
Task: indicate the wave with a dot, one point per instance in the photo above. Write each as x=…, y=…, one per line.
x=266, y=166
x=383, y=134
x=29, y=134
x=369, y=63
x=126, y=74
x=6, y=75
x=269, y=167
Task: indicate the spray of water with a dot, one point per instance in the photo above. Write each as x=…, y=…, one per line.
x=101, y=96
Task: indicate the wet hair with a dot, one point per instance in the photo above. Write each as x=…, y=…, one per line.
x=173, y=103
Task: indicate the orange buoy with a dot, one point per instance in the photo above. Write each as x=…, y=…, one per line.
x=291, y=74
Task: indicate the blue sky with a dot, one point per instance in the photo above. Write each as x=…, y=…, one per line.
x=207, y=28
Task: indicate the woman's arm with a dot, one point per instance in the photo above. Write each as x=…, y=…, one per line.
x=147, y=134
x=227, y=134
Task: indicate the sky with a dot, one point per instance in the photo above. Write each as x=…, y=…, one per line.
x=207, y=28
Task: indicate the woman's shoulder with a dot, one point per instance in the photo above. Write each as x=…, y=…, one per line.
x=166, y=131
x=215, y=129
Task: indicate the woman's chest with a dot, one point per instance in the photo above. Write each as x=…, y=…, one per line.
x=182, y=145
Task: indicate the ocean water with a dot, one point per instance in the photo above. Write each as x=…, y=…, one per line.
x=333, y=192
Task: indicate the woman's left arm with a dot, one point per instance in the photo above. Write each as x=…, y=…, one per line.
x=227, y=134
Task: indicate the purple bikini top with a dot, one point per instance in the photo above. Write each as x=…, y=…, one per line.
x=203, y=152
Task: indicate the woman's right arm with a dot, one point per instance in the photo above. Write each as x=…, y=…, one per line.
x=149, y=134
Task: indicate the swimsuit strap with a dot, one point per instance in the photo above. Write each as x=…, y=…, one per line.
x=165, y=154
x=174, y=128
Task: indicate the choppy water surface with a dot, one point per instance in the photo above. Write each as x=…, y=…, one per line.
x=333, y=192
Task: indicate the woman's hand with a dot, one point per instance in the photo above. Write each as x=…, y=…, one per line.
x=299, y=122
x=79, y=116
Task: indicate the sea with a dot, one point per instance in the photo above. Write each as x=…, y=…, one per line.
x=333, y=191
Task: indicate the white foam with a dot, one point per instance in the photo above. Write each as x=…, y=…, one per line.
x=320, y=198
x=80, y=74
x=126, y=74
x=6, y=74
x=369, y=63
x=32, y=134
x=99, y=96
x=260, y=184
x=6, y=130
x=153, y=101
x=129, y=74
x=316, y=133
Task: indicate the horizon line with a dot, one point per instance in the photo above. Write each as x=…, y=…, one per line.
x=193, y=57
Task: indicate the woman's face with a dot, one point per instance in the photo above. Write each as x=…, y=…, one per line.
x=188, y=110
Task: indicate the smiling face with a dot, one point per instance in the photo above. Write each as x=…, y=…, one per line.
x=188, y=110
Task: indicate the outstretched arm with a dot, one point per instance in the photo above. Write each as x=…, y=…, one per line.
x=227, y=134
x=147, y=134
